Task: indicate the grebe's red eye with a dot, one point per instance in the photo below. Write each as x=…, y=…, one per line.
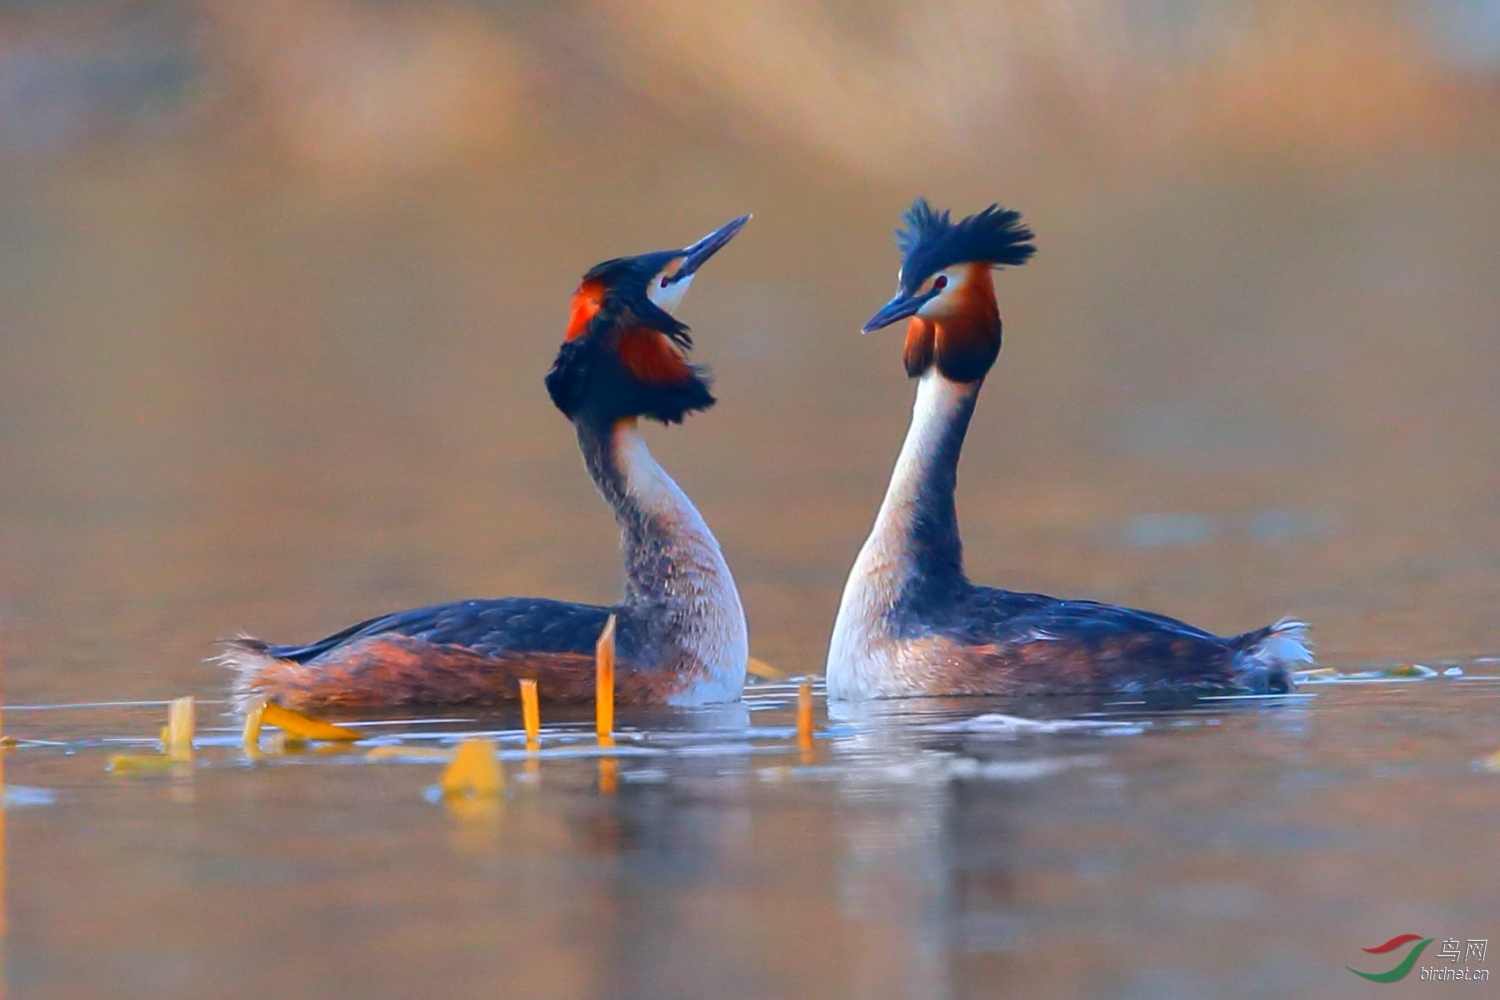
x=940, y=283
x=664, y=281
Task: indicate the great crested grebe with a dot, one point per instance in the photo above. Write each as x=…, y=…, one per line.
x=681, y=636
x=910, y=622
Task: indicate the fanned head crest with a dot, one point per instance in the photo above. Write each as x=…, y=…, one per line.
x=945, y=291
x=931, y=241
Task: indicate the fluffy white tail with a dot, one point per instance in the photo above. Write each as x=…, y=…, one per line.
x=249, y=659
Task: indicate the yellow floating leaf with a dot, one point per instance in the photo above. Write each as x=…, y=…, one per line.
x=1491, y=763
x=279, y=743
x=305, y=726
x=9, y=741
x=473, y=809
x=177, y=738
x=763, y=670
x=407, y=753
x=475, y=770
x=133, y=763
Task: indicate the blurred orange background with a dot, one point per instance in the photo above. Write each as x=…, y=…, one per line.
x=282, y=279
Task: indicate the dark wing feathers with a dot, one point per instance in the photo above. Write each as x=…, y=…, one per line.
x=1083, y=645
x=998, y=615
x=489, y=628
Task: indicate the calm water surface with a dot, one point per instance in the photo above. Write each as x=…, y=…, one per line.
x=1232, y=849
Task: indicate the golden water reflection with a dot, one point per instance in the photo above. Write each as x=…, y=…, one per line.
x=1226, y=850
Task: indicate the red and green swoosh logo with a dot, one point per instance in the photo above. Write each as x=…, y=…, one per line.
x=1405, y=966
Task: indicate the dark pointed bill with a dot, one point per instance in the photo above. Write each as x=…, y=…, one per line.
x=694, y=256
x=898, y=308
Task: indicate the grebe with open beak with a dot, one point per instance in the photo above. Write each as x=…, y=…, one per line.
x=681, y=635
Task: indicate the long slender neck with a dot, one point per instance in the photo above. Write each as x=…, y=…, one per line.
x=911, y=566
x=657, y=520
x=677, y=583
x=915, y=542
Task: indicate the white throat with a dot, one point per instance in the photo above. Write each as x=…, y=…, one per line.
x=712, y=626
x=861, y=653
x=670, y=296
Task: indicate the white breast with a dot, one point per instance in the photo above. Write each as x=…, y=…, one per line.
x=864, y=659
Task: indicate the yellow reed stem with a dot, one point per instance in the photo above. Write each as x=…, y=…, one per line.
x=250, y=738
x=531, y=716
x=805, y=717
x=609, y=774
x=604, y=683
x=177, y=738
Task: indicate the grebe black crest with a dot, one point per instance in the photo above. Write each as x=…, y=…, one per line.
x=681, y=636
x=910, y=622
